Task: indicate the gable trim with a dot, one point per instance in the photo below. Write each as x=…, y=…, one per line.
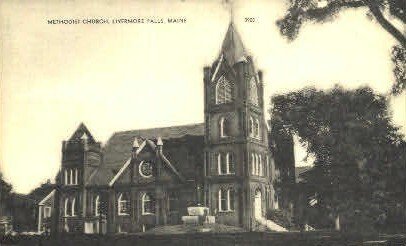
x=42, y=202
x=168, y=163
x=120, y=172
x=217, y=68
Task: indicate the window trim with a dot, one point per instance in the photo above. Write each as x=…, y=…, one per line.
x=254, y=95
x=97, y=205
x=224, y=82
x=73, y=207
x=143, y=200
x=120, y=203
x=227, y=163
x=227, y=198
x=47, y=212
x=140, y=171
x=66, y=207
x=223, y=122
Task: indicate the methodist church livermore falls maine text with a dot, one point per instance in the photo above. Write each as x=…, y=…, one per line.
x=141, y=179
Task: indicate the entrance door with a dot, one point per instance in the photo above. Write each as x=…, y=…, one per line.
x=258, y=204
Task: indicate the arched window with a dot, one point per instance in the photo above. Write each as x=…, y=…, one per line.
x=225, y=163
x=71, y=176
x=251, y=127
x=97, y=206
x=148, y=204
x=68, y=208
x=223, y=91
x=76, y=176
x=66, y=176
x=74, y=207
x=226, y=200
x=253, y=163
x=123, y=204
x=261, y=170
x=224, y=127
x=256, y=128
x=253, y=92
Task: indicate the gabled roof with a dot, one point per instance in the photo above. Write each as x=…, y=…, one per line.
x=232, y=47
x=82, y=133
x=166, y=162
x=118, y=147
x=46, y=198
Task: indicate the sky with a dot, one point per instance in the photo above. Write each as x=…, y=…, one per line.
x=116, y=77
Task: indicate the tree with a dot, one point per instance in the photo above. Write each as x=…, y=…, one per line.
x=359, y=167
x=5, y=195
x=301, y=11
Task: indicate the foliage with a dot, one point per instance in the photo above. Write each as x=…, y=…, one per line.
x=301, y=11
x=359, y=154
x=281, y=218
x=5, y=194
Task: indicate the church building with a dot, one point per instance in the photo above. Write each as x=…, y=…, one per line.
x=140, y=179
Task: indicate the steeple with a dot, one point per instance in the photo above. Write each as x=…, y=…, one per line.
x=232, y=49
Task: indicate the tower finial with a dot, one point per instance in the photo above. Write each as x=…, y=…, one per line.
x=230, y=6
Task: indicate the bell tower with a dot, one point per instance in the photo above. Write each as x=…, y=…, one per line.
x=238, y=163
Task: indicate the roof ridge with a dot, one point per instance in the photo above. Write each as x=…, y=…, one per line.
x=155, y=128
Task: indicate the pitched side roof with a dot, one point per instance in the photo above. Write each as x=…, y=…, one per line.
x=232, y=47
x=118, y=147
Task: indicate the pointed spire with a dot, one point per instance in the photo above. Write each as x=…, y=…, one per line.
x=159, y=141
x=135, y=143
x=232, y=47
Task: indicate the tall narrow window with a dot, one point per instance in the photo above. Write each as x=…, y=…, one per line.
x=253, y=91
x=219, y=162
x=256, y=128
x=74, y=207
x=224, y=127
x=97, y=206
x=230, y=163
x=148, y=204
x=66, y=176
x=226, y=199
x=222, y=200
x=261, y=171
x=223, y=91
x=257, y=164
x=251, y=127
x=253, y=163
x=76, y=176
x=230, y=199
x=123, y=204
x=68, y=208
x=71, y=176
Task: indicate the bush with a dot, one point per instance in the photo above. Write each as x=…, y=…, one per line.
x=281, y=217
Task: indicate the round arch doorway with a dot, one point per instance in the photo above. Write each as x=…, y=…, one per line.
x=258, y=204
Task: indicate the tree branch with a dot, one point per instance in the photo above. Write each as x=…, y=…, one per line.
x=385, y=23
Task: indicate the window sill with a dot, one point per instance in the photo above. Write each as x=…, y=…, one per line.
x=226, y=174
x=226, y=211
x=147, y=213
x=123, y=214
